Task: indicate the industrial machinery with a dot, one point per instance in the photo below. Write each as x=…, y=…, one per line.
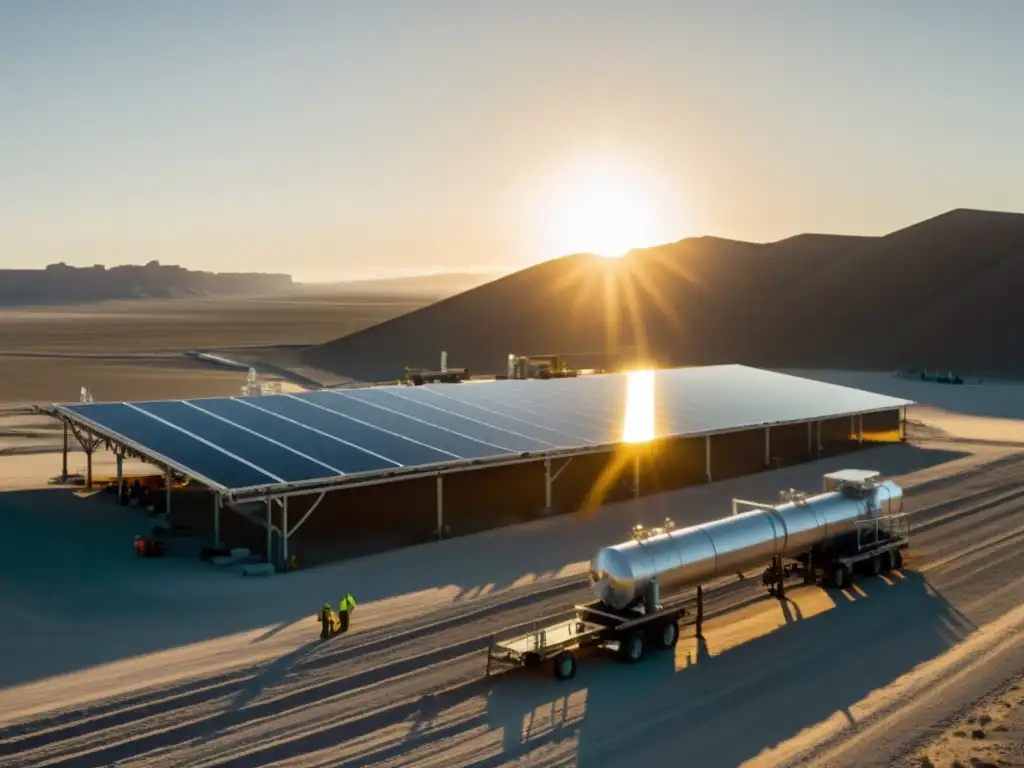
x=443, y=375
x=855, y=524
x=419, y=376
x=539, y=367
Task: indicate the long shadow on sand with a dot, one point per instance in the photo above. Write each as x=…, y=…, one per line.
x=728, y=708
x=717, y=710
x=55, y=545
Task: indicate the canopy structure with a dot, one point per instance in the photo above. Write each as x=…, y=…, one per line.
x=274, y=446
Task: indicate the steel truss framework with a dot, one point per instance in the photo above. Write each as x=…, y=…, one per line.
x=92, y=435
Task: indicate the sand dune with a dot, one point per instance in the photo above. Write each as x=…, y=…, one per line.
x=940, y=293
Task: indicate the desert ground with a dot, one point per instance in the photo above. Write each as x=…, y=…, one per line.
x=108, y=659
x=134, y=350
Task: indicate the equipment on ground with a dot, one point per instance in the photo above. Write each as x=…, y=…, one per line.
x=420, y=376
x=539, y=367
x=937, y=377
x=148, y=547
x=254, y=388
x=443, y=375
x=855, y=524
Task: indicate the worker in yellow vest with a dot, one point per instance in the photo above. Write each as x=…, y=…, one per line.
x=345, y=607
x=326, y=621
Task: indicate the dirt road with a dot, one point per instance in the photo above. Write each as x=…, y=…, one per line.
x=827, y=679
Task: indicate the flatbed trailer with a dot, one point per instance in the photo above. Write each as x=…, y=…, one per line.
x=875, y=547
x=629, y=634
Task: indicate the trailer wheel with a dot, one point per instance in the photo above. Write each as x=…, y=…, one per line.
x=565, y=665
x=875, y=565
x=666, y=636
x=633, y=647
x=840, y=576
x=889, y=561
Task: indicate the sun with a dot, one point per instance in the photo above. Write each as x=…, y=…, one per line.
x=604, y=209
x=606, y=220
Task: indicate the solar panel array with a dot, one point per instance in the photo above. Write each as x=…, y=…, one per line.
x=243, y=442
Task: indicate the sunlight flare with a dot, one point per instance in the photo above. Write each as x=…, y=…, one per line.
x=606, y=207
x=639, y=421
x=607, y=221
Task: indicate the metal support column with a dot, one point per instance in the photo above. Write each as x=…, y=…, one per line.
x=284, y=533
x=810, y=439
x=549, y=481
x=88, y=469
x=767, y=446
x=64, y=457
x=818, y=447
x=780, y=588
x=440, y=507
x=636, y=476
x=903, y=423
x=216, y=520
x=707, y=457
x=860, y=428
x=700, y=611
x=120, y=474
x=809, y=577
x=270, y=532
x=547, y=484
x=169, y=482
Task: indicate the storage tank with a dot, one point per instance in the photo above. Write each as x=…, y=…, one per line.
x=686, y=557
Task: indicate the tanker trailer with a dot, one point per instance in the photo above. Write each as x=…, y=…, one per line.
x=854, y=524
x=839, y=528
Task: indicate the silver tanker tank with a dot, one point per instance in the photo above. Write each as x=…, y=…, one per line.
x=621, y=575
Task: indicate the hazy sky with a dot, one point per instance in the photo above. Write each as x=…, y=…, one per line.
x=343, y=139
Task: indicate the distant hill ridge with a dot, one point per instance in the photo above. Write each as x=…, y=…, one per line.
x=943, y=293
x=60, y=283
x=432, y=286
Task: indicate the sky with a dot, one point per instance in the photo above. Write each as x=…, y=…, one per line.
x=344, y=140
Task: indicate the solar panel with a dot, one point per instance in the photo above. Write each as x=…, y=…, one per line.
x=243, y=442
x=573, y=412
x=334, y=452
x=409, y=405
x=324, y=412
x=262, y=451
x=732, y=397
x=446, y=404
x=544, y=423
x=206, y=462
x=425, y=432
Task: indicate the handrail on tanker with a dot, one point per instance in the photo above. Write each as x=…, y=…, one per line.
x=737, y=503
x=889, y=523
